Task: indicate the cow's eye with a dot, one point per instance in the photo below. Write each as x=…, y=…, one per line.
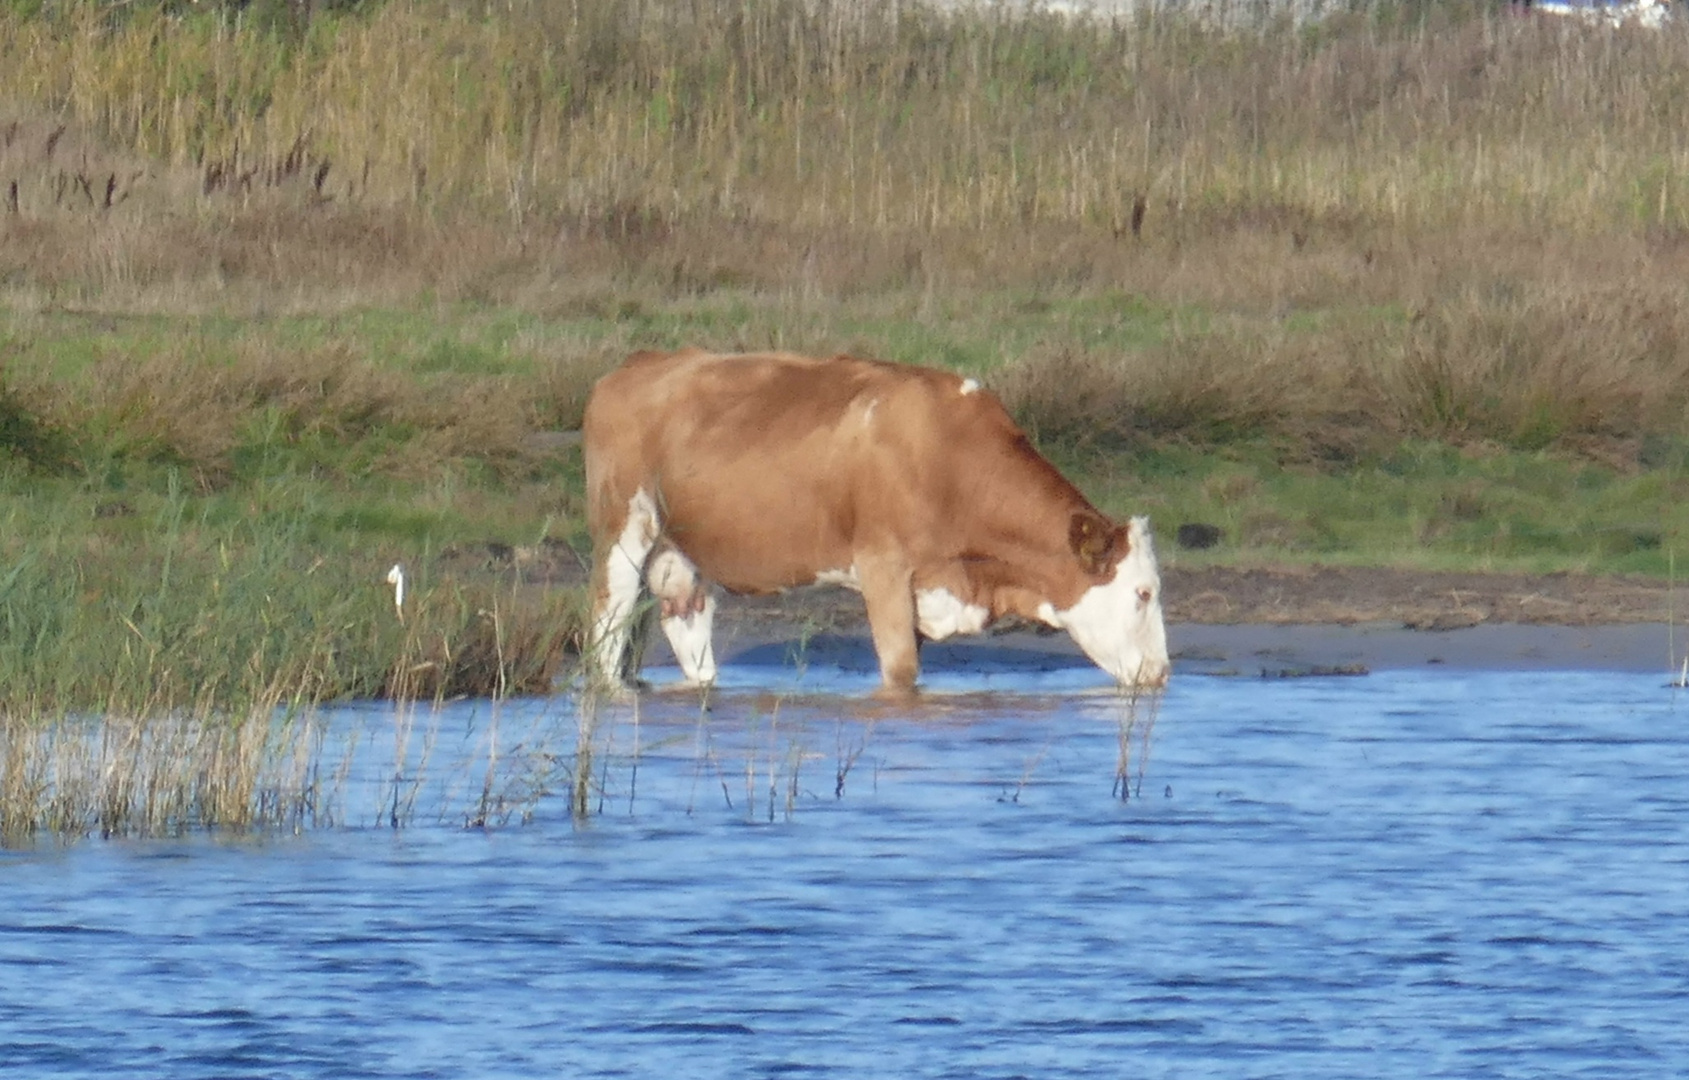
x=1145, y=595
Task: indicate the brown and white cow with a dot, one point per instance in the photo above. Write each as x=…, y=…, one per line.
x=762, y=472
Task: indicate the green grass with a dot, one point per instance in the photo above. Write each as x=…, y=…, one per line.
x=1424, y=506
x=153, y=598
x=379, y=482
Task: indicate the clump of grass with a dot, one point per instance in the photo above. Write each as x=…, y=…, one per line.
x=184, y=615
x=25, y=435
x=1588, y=374
x=565, y=381
x=158, y=775
x=1214, y=388
x=182, y=694
x=160, y=671
x=486, y=640
x=1539, y=371
x=218, y=617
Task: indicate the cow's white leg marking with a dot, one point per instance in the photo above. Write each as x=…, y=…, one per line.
x=690, y=638
x=623, y=571
x=939, y=613
x=688, y=613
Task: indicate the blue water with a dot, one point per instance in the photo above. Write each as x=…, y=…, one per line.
x=1401, y=875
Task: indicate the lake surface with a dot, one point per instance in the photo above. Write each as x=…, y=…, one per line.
x=1407, y=874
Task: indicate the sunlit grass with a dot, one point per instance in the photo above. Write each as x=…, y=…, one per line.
x=1422, y=506
x=1249, y=423
x=166, y=601
x=163, y=655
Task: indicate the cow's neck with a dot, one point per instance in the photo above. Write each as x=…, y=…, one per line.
x=1021, y=558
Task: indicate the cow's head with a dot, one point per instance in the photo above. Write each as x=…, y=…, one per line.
x=1117, y=619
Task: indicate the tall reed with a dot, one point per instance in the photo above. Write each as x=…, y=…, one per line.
x=176, y=685
x=159, y=775
x=627, y=116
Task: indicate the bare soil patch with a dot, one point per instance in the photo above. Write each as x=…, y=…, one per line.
x=1262, y=621
x=1285, y=596
x=1417, y=599
x=1283, y=622
x=1217, y=596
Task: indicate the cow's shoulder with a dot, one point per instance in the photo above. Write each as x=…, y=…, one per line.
x=885, y=377
x=952, y=407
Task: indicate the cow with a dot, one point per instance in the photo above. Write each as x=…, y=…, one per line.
x=761, y=472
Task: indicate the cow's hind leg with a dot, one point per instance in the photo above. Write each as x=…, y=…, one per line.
x=889, y=593
x=618, y=572
x=687, y=611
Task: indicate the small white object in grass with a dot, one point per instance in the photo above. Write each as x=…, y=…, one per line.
x=396, y=578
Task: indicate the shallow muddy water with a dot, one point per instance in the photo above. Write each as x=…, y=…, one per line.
x=1407, y=874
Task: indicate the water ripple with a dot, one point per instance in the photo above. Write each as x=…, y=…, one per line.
x=1406, y=875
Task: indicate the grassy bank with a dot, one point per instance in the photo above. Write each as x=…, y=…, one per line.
x=387, y=436
x=162, y=648
x=286, y=301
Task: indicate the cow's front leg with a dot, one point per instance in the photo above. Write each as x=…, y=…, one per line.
x=888, y=589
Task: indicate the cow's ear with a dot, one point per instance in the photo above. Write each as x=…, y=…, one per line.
x=1093, y=540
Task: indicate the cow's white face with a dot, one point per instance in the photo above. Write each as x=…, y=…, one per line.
x=1118, y=623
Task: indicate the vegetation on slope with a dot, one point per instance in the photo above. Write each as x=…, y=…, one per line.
x=286, y=299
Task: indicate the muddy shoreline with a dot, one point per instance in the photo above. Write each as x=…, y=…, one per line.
x=1255, y=621
x=1284, y=622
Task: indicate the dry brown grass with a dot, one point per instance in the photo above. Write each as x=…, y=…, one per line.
x=627, y=119
x=632, y=125
x=1588, y=370
x=205, y=411
x=1537, y=370
x=1473, y=229
x=1208, y=388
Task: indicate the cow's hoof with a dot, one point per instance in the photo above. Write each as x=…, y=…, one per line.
x=703, y=691
x=618, y=693
x=897, y=693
